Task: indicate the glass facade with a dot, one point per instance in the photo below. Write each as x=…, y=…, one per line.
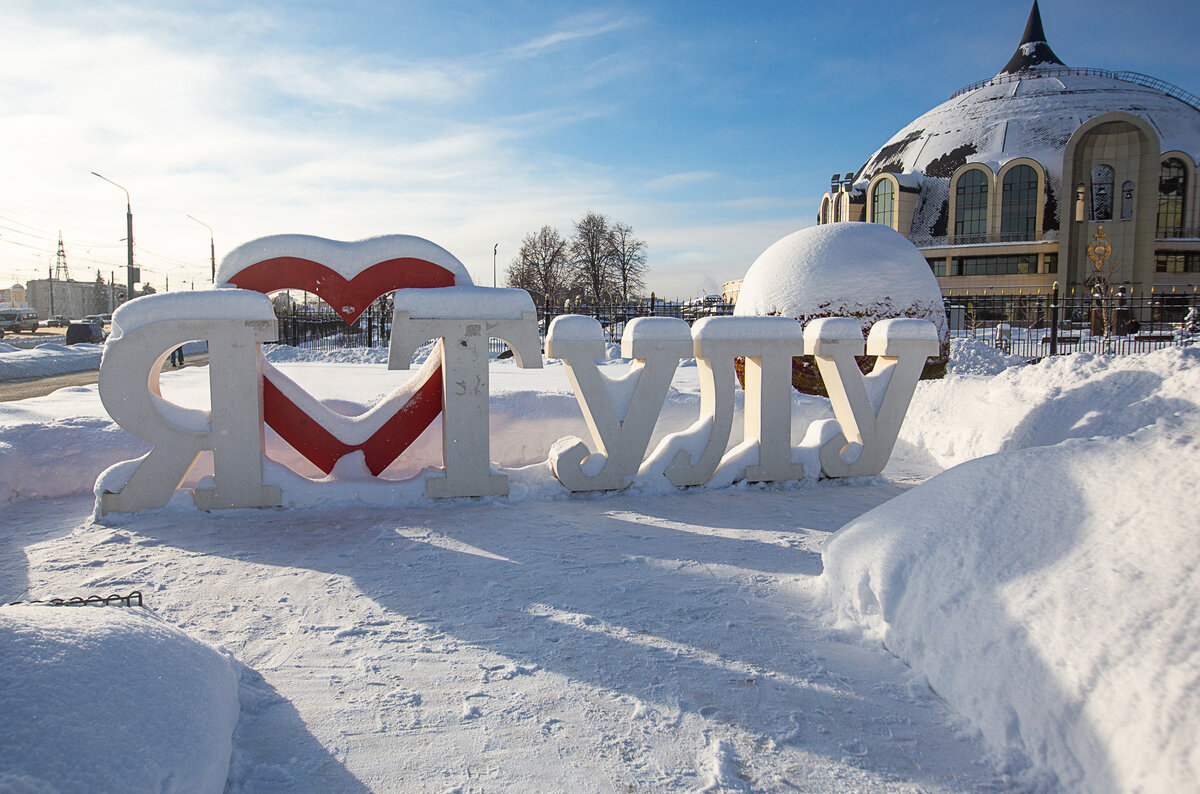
x=970, y=206
x=883, y=203
x=1000, y=265
x=1172, y=181
x=938, y=265
x=1177, y=262
x=1102, y=193
x=1018, y=204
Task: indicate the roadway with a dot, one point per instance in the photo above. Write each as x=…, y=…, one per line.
x=25, y=388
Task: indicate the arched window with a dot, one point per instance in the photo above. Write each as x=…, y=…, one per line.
x=824, y=216
x=837, y=207
x=970, y=206
x=883, y=204
x=1127, y=201
x=1102, y=190
x=1172, y=181
x=1018, y=203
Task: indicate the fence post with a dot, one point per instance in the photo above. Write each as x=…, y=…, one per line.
x=1054, y=320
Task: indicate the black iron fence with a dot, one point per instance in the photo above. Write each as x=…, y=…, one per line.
x=1031, y=326
x=314, y=327
x=1036, y=326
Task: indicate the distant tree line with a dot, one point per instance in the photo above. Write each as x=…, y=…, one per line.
x=603, y=261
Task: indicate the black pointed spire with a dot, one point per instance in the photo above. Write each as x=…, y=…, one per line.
x=1033, y=49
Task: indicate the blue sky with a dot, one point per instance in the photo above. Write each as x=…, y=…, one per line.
x=711, y=128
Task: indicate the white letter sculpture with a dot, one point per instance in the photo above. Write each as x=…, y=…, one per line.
x=768, y=343
x=621, y=434
x=871, y=408
x=462, y=319
x=235, y=323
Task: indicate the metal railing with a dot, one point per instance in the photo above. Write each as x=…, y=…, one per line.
x=320, y=328
x=1037, y=326
x=950, y=240
x=1179, y=233
x=1137, y=78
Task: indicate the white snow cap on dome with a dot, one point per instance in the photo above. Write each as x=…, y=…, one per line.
x=863, y=270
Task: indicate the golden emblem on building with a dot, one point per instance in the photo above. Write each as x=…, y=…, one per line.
x=1099, y=249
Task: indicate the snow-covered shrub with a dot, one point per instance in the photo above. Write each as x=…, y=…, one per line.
x=862, y=270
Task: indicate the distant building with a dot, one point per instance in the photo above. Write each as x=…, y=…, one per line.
x=13, y=297
x=73, y=298
x=1007, y=183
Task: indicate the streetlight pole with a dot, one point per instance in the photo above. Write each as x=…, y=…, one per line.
x=212, y=247
x=129, y=280
x=494, y=250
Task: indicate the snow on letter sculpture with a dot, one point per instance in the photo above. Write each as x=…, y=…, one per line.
x=869, y=420
x=462, y=319
x=656, y=344
x=145, y=331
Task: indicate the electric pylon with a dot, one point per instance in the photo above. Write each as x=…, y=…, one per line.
x=60, y=262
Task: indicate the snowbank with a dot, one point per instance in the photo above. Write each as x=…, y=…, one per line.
x=1049, y=592
x=1077, y=396
x=48, y=359
x=111, y=699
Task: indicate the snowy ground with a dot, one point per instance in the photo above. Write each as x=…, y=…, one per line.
x=662, y=640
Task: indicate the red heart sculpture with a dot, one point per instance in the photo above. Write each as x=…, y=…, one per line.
x=349, y=299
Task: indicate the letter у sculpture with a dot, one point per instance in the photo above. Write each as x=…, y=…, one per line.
x=462, y=319
x=621, y=436
x=869, y=427
x=145, y=331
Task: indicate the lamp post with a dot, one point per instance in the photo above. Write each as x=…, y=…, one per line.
x=212, y=248
x=495, y=248
x=129, y=277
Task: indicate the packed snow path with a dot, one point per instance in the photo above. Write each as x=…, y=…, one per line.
x=666, y=642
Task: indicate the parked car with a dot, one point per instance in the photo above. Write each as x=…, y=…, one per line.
x=18, y=320
x=93, y=318
x=58, y=321
x=84, y=332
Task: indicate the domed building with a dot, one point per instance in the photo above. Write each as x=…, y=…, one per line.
x=1006, y=184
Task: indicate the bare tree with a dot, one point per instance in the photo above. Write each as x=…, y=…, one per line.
x=542, y=265
x=628, y=256
x=591, y=256
x=602, y=261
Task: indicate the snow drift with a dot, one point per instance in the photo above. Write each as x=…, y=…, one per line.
x=1049, y=592
x=111, y=699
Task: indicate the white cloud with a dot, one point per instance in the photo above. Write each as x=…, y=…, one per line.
x=685, y=179
x=269, y=140
x=586, y=28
